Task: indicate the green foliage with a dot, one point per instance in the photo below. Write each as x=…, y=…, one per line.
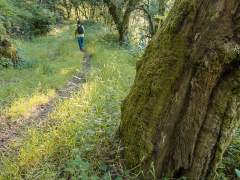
x=24, y=61
x=237, y=172
x=10, y=10
x=103, y=167
x=162, y=17
x=41, y=20
x=5, y=63
x=231, y=158
x=110, y=38
x=221, y=176
x=25, y=64
x=25, y=17
x=137, y=49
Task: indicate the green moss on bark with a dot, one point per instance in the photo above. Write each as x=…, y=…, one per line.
x=228, y=109
x=149, y=110
x=157, y=71
x=7, y=51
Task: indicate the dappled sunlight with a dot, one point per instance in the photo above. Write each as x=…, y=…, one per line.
x=87, y=118
x=63, y=72
x=56, y=31
x=43, y=70
x=26, y=106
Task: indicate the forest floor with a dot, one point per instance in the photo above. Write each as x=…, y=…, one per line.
x=58, y=113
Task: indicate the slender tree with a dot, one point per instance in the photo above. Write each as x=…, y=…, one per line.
x=121, y=17
x=149, y=11
x=67, y=5
x=183, y=107
x=76, y=4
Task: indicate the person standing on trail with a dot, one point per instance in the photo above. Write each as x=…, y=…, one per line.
x=80, y=34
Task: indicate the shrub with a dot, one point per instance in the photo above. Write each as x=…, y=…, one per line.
x=41, y=20
x=24, y=64
x=5, y=62
x=25, y=18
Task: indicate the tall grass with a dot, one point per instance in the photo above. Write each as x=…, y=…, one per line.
x=76, y=144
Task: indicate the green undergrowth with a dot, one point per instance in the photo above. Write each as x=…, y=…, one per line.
x=231, y=159
x=43, y=71
x=78, y=140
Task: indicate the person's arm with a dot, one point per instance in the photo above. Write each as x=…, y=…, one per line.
x=84, y=33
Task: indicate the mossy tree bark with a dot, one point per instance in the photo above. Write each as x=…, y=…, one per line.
x=183, y=107
x=7, y=49
x=120, y=18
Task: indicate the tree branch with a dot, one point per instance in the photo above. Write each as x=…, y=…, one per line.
x=113, y=11
x=122, y=3
x=149, y=17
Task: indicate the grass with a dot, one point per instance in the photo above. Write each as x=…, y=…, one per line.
x=22, y=89
x=78, y=142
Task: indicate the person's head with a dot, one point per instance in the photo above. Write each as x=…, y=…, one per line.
x=78, y=22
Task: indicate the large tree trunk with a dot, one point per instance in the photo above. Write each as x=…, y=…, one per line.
x=183, y=107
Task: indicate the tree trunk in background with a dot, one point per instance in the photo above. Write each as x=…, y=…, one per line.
x=92, y=11
x=122, y=23
x=68, y=13
x=68, y=6
x=76, y=13
x=54, y=6
x=183, y=107
x=123, y=29
x=152, y=30
x=85, y=11
x=161, y=11
x=122, y=35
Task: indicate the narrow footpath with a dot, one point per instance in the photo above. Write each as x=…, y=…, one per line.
x=11, y=132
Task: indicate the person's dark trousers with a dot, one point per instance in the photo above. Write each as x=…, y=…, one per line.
x=81, y=42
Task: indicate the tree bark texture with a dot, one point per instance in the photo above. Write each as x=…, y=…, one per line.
x=183, y=107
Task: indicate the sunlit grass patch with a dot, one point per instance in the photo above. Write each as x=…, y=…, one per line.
x=26, y=106
x=21, y=85
x=58, y=31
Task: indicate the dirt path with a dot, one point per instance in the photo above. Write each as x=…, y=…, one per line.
x=11, y=131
